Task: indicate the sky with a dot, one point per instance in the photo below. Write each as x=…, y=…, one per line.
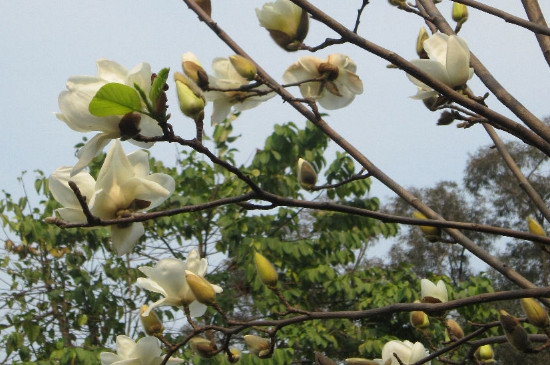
x=44, y=43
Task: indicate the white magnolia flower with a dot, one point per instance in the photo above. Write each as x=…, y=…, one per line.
x=407, y=352
x=145, y=352
x=337, y=85
x=168, y=279
x=226, y=77
x=74, y=103
x=59, y=187
x=449, y=62
x=286, y=22
x=124, y=185
x=431, y=290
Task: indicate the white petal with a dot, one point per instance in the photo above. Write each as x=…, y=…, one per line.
x=125, y=345
x=124, y=239
x=458, y=62
x=190, y=57
x=432, y=68
x=111, y=71
x=418, y=351
x=140, y=163
x=197, y=309
x=149, y=284
x=59, y=186
x=91, y=149
x=72, y=215
x=108, y=358
x=222, y=107
x=436, y=47
x=74, y=108
x=146, y=350
x=402, y=350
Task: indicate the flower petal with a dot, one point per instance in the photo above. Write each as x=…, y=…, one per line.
x=436, y=47
x=91, y=149
x=125, y=238
x=458, y=62
x=197, y=309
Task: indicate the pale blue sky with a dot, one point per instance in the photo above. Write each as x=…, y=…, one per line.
x=45, y=42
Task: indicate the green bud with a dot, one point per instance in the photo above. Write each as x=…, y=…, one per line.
x=307, y=177
x=243, y=66
x=535, y=313
x=460, y=13
x=535, y=227
x=190, y=96
x=485, y=354
x=419, y=319
x=266, y=272
x=151, y=323
x=431, y=233
x=203, y=347
x=201, y=288
x=259, y=346
x=422, y=36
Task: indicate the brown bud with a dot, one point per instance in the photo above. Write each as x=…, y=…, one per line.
x=203, y=347
x=454, y=330
x=259, y=346
x=129, y=125
x=419, y=319
x=205, y=6
x=515, y=333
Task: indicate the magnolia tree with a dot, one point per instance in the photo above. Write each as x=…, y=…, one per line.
x=292, y=285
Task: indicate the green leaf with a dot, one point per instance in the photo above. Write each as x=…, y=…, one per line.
x=114, y=99
x=158, y=84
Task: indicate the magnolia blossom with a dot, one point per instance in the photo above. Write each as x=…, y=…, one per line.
x=433, y=291
x=286, y=22
x=168, y=279
x=227, y=77
x=407, y=352
x=74, y=103
x=123, y=186
x=449, y=62
x=145, y=352
x=337, y=82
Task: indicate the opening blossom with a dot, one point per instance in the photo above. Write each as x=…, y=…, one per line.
x=433, y=293
x=227, y=77
x=123, y=186
x=449, y=62
x=145, y=352
x=168, y=279
x=408, y=352
x=286, y=22
x=337, y=82
x=74, y=103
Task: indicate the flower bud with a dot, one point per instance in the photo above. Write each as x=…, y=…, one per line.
x=129, y=125
x=259, y=346
x=203, y=347
x=454, y=331
x=422, y=36
x=201, y=288
x=266, y=272
x=307, y=177
x=535, y=227
x=399, y=3
x=419, y=320
x=193, y=69
x=151, y=323
x=191, y=100
x=235, y=355
x=432, y=234
x=460, y=13
x=243, y=66
x=485, y=354
x=535, y=313
x=515, y=333
x=360, y=361
x=286, y=22
x=321, y=359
